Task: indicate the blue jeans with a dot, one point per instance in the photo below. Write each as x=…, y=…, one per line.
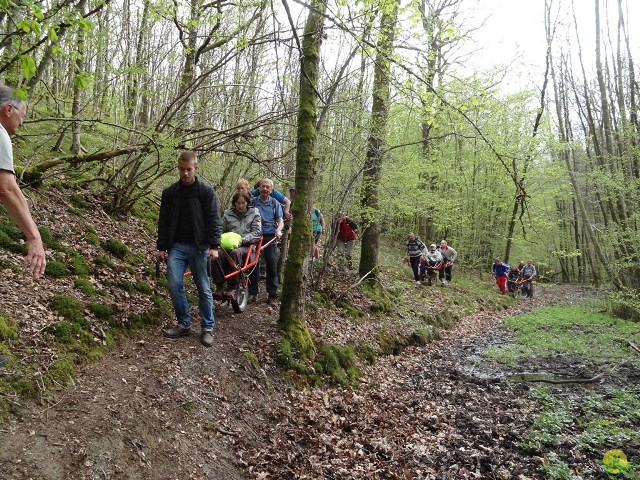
x=271, y=259
x=181, y=256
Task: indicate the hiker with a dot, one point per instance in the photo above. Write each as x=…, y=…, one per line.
x=317, y=227
x=415, y=250
x=243, y=220
x=433, y=258
x=242, y=185
x=528, y=273
x=12, y=113
x=345, y=239
x=449, y=256
x=272, y=224
x=188, y=235
x=499, y=272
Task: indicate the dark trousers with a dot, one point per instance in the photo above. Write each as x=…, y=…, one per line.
x=415, y=262
x=271, y=260
x=445, y=272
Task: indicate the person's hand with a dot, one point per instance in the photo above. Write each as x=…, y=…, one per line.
x=35, y=261
x=213, y=253
x=279, y=234
x=288, y=215
x=161, y=255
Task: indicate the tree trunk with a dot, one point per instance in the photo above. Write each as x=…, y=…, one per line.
x=370, y=244
x=291, y=320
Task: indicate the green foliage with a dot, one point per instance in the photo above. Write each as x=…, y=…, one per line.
x=624, y=304
x=117, y=248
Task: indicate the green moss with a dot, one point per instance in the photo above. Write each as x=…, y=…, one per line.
x=117, y=248
x=8, y=328
x=91, y=236
x=69, y=308
x=85, y=286
x=143, y=287
x=127, y=286
x=136, y=259
x=49, y=239
x=102, y=311
x=338, y=364
x=8, y=235
x=79, y=265
x=63, y=370
x=57, y=268
x=78, y=201
x=105, y=262
x=147, y=210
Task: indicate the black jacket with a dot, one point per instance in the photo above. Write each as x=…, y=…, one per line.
x=206, y=223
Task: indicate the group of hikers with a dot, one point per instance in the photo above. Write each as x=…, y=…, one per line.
x=427, y=262
x=433, y=261
x=511, y=278
x=193, y=235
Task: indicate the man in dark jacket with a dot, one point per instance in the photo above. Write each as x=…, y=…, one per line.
x=189, y=230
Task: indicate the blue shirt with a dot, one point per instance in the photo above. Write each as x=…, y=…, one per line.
x=501, y=269
x=277, y=194
x=270, y=212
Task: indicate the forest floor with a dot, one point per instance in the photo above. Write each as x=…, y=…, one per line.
x=156, y=408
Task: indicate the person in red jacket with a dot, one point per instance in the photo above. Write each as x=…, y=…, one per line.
x=345, y=238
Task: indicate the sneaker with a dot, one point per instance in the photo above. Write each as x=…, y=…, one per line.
x=444, y=283
x=176, y=332
x=418, y=282
x=206, y=338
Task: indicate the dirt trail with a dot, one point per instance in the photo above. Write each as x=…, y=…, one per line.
x=171, y=409
x=154, y=409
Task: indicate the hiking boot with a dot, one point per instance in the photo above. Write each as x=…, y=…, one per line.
x=176, y=332
x=206, y=338
x=273, y=299
x=253, y=299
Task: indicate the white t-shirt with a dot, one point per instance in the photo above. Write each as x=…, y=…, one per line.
x=6, y=151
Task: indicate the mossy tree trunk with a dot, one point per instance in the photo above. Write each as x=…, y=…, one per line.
x=376, y=144
x=291, y=321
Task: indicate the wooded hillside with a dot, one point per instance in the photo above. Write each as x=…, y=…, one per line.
x=117, y=88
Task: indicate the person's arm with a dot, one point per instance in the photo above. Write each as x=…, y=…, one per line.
x=321, y=219
x=213, y=224
x=16, y=204
x=278, y=220
x=255, y=229
x=284, y=201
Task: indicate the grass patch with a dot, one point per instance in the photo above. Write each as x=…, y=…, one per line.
x=572, y=425
x=576, y=330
